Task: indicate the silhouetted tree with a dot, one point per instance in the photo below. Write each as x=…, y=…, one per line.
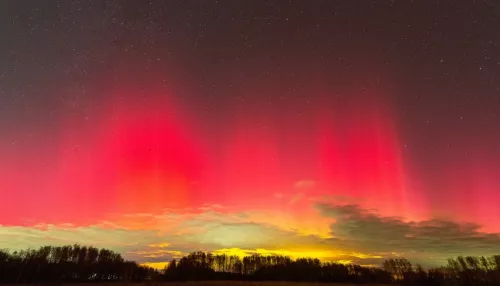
x=66, y=264
x=400, y=268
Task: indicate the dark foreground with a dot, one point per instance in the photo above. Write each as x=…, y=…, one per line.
x=64, y=265
x=214, y=283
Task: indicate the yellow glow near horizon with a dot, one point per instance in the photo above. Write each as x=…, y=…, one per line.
x=156, y=265
x=323, y=255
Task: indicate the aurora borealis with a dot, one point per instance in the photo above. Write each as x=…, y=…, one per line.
x=346, y=130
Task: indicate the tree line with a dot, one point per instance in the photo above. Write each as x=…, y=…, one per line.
x=206, y=266
x=71, y=263
x=77, y=263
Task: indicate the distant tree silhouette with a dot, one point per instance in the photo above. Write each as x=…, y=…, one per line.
x=400, y=268
x=75, y=263
x=201, y=266
x=68, y=264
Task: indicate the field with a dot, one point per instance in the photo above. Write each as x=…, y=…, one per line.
x=212, y=283
x=242, y=283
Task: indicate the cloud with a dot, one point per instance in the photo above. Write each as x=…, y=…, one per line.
x=343, y=232
x=210, y=207
x=17, y=237
x=155, y=238
x=161, y=255
x=160, y=245
x=305, y=184
x=428, y=242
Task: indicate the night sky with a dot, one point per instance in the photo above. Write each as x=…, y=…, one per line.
x=347, y=130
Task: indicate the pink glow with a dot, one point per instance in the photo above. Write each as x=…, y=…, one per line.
x=145, y=155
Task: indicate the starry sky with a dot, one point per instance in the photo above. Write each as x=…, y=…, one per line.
x=350, y=131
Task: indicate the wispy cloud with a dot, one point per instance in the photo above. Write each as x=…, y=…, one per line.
x=305, y=184
x=160, y=245
x=343, y=232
